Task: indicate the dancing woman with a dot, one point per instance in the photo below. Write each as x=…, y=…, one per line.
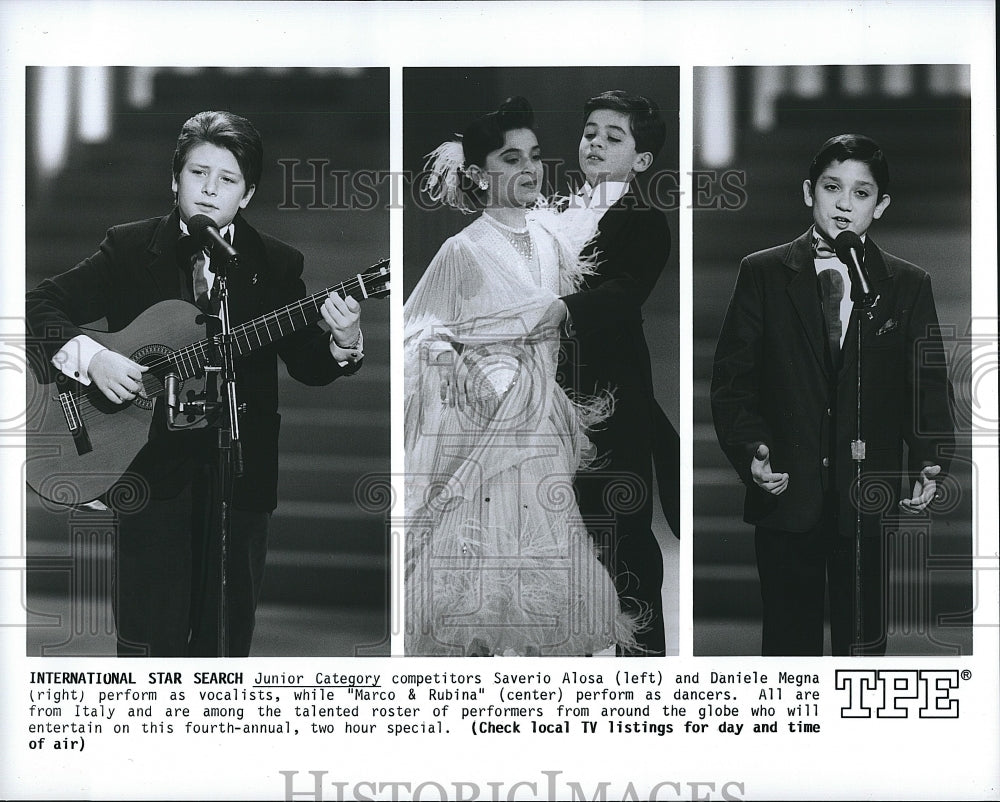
x=497, y=558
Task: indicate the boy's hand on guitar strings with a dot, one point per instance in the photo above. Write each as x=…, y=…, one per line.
x=115, y=375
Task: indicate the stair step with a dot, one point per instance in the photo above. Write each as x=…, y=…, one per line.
x=325, y=579
x=734, y=591
x=304, y=578
x=300, y=527
x=347, y=431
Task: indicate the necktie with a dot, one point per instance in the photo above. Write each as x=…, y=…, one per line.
x=831, y=292
x=199, y=281
x=198, y=258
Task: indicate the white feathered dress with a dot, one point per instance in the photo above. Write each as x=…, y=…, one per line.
x=497, y=558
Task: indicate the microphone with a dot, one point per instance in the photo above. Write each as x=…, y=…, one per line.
x=851, y=251
x=170, y=384
x=206, y=232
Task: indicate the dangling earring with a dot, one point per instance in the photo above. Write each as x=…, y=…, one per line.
x=484, y=184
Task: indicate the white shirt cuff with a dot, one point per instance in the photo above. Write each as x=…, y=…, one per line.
x=73, y=359
x=359, y=349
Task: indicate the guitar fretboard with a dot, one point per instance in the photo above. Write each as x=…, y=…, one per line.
x=271, y=327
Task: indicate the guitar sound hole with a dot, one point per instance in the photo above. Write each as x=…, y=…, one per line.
x=159, y=360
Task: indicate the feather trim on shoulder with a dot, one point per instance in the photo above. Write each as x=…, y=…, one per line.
x=572, y=232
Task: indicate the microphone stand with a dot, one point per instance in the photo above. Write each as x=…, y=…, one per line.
x=229, y=454
x=850, y=249
x=864, y=303
x=212, y=411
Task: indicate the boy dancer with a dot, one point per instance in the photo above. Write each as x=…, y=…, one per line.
x=606, y=348
x=165, y=584
x=785, y=406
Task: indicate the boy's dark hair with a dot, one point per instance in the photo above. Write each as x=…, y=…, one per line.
x=645, y=123
x=855, y=147
x=486, y=134
x=224, y=130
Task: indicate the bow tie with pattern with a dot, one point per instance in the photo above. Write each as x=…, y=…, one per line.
x=822, y=249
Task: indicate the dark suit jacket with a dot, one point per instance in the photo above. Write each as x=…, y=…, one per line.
x=774, y=382
x=136, y=267
x=609, y=347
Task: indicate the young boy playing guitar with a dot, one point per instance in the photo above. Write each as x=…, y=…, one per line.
x=166, y=556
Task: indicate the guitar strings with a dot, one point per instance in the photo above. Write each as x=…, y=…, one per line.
x=189, y=353
x=186, y=358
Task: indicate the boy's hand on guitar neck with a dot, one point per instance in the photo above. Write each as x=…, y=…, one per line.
x=343, y=316
x=117, y=376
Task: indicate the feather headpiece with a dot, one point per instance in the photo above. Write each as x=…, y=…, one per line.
x=443, y=172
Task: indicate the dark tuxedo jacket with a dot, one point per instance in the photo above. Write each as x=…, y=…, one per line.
x=135, y=268
x=609, y=350
x=775, y=382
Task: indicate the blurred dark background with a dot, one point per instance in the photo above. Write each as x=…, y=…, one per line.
x=440, y=102
x=768, y=123
x=100, y=143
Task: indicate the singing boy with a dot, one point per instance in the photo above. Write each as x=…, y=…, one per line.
x=784, y=402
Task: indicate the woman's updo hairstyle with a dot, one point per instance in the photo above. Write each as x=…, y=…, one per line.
x=486, y=134
x=447, y=178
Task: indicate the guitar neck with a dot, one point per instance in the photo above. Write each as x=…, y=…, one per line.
x=269, y=328
x=274, y=325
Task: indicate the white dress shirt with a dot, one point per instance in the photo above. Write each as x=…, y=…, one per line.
x=846, y=304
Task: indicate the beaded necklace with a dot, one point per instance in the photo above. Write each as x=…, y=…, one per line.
x=519, y=238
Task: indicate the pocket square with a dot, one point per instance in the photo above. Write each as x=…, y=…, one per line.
x=890, y=325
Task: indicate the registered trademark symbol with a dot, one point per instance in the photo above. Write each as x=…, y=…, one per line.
x=966, y=674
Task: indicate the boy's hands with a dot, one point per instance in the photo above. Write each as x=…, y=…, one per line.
x=763, y=476
x=117, y=376
x=924, y=490
x=343, y=316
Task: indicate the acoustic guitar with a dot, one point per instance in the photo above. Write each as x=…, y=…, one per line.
x=79, y=443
